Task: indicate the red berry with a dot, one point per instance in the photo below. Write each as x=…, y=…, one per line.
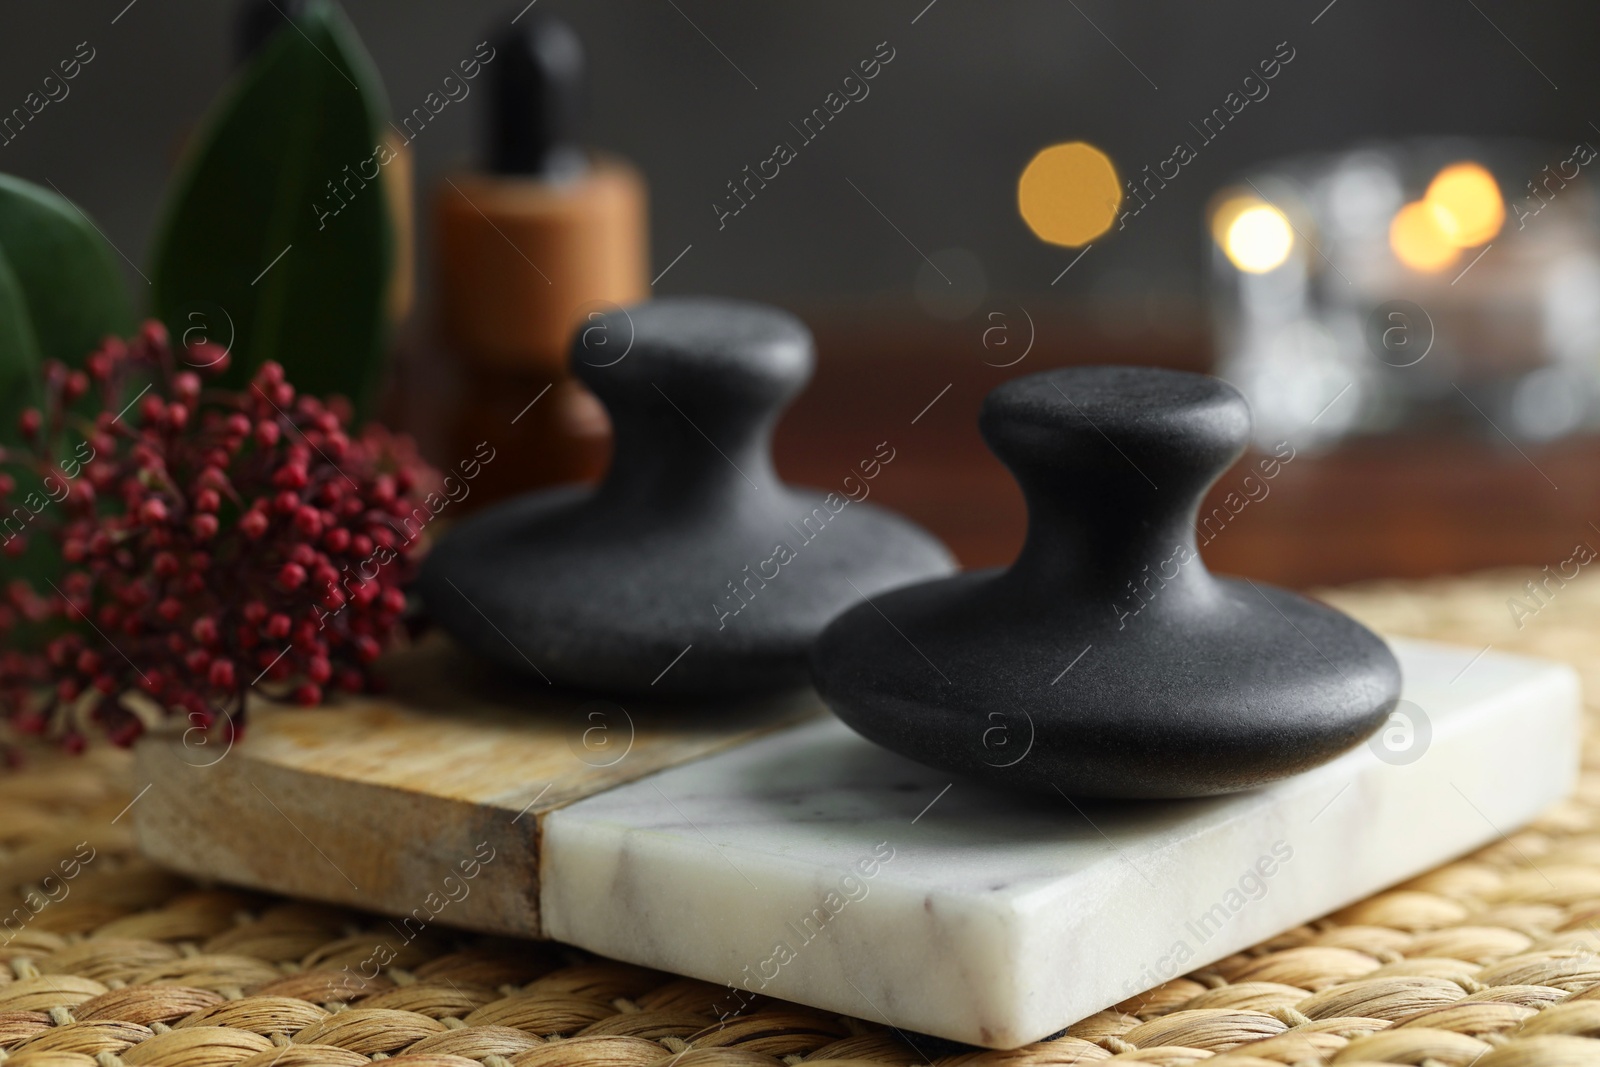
x=169, y=609
x=221, y=674
x=126, y=734
x=166, y=564
x=306, y=640
x=278, y=626
x=308, y=521
x=319, y=670
x=75, y=386
x=29, y=423
x=253, y=524
x=337, y=539
x=238, y=424
x=286, y=503
x=207, y=500
x=267, y=433
x=153, y=511
x=204, y=630
x=308, y=694
x=291, y=476
x=186, y=386
x=204, y=527
x=209, y=357
x=367, y=649
x=291, y=577
x=255, y=612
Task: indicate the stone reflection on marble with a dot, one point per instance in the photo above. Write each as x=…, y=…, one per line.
x=815, y=867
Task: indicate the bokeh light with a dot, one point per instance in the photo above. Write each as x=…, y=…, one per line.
x=1227, y=206
x=1256, y=237
x=1069, y=194
x=1419, y=241
x=1466, y=204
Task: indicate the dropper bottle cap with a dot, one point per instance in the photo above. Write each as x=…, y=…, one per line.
x=536, y=90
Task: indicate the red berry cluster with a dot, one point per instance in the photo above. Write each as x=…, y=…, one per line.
x=212, y=543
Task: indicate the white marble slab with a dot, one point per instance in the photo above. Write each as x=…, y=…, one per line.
x=815, y=867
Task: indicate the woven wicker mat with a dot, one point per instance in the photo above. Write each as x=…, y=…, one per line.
x=1489, y=961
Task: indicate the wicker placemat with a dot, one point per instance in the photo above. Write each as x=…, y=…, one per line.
x=1489, y=961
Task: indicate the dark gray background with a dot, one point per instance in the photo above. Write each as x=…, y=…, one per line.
x=974, y=90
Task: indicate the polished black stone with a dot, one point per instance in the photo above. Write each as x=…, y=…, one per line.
x=1107, y=661
x=691, y=541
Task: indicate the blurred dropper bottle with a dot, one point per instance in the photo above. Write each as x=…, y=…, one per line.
x=545, y=234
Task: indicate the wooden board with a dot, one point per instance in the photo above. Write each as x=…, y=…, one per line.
x=374, y=802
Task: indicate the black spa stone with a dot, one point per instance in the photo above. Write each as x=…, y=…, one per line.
x=691, y=542
x=1106, y=661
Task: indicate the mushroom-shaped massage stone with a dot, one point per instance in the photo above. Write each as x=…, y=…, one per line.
x=691, y=570
x=1106, y=661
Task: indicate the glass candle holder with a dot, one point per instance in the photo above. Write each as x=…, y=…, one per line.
x=1433, y=284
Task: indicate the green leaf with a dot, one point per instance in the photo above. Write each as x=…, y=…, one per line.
x=250, y=250
x=19, y=389
x=68, y=281
x=19, y=353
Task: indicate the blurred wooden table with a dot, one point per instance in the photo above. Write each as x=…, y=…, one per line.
x=1392, y=507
